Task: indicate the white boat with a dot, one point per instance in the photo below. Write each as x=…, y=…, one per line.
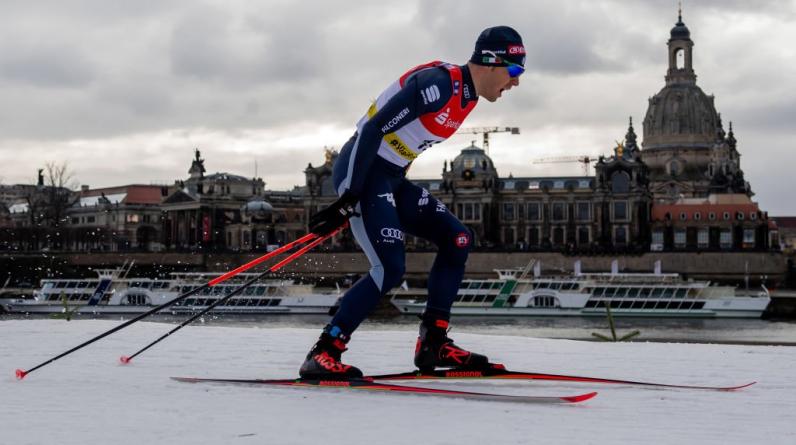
x=515, y=293
x=112, y=292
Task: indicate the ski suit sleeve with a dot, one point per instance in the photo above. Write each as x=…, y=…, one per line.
x=405, y=106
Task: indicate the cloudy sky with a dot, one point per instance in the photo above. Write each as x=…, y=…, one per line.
x=123, y=91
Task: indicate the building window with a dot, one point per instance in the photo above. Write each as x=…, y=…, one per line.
x=584, y=236
x=739, y=216
x=753, y=216
x=534, y=211
x=469, y=211
x=657, y=240
x=533, y=236
x=132, y=218
x=725, y=239
x=674, y=168
x=726, y=216
x=748, y=238
x=90, y=219
x=508, y=211
x=703, y=238
x=558, y=236
x=712, y=216
x=679, y=238
x=559, y=211
x=75, y=220
x=583, y=211
x=697, y=216
x=683, y=216
x=620, y=235
x=508, y=236
x=620, y=210
x=620, y=182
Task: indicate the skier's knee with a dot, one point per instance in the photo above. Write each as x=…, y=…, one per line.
x=391, y=274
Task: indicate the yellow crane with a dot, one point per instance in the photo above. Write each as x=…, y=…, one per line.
x=486, y=131
x=585, y=160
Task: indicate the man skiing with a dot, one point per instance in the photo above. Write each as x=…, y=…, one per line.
x=425, y=106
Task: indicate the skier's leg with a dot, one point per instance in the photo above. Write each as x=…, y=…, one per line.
x=424, y=216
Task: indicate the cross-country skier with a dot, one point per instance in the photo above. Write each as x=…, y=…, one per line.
x=425, y=106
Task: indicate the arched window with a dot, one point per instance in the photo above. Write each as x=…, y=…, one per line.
x=620, y=182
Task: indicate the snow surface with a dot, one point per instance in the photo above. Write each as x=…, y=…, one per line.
x=89, y=398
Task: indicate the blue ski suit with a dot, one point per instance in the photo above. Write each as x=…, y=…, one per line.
x=425, y=106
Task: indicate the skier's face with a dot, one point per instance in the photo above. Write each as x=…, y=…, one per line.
x=497, y=81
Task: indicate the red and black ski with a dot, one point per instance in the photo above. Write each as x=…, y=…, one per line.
x=370, y=385
x=499, y=372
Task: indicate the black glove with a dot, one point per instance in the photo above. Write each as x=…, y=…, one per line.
x=329, y=219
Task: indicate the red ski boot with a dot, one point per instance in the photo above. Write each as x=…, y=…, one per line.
x=323, y=361
x=435, y=349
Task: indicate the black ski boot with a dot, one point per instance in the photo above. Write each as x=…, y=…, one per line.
x=435, y=349
x=323, y=361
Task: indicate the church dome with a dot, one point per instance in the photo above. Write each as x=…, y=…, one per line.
x=681, y=115
x=680, y=31
x=473, y=159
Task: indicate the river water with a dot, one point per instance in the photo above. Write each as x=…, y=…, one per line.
x=730, y=331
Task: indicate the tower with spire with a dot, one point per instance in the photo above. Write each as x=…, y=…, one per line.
x=684, y=145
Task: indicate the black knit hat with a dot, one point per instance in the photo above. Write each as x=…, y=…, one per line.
x=498, y=45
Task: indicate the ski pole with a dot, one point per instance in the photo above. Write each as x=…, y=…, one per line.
x=126, y=359
x=20, y=373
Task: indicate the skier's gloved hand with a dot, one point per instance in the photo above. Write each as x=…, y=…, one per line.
x=334, y=216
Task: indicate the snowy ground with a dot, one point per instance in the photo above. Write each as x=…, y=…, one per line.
x=88, y=398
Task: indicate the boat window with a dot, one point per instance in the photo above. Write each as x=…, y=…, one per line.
x=609, y=292
x=485, y=285
x=463, y=285
x=681, y=292
x=615, y=304
x=673, y=305
x=620, y=292
x=74, y=297
x=591, y=303
x=275, y=302
x=686, y=305
x=479, y=298
x=490, y=298
x=544, y=301
x=657, y=292
x=82, y=285
x=542, y=285
x=263, y=301
x=249, y=291
x=699, y=304
x=632, y=292
x=638, y=304
x=467, y=299
x=555, y=286
x=644, y=292
x=190, y=302
x=496, y=285
x=253, y=302
x=58, y=285
x=260, y=290
x=649, y=304
x=598, y=291
x=626, y=304
x=474, y=285
x=85, y=297
x=512, y=299
x=668, y=292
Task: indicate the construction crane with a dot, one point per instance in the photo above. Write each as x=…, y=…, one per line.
x=486, y=130
x=586, y=160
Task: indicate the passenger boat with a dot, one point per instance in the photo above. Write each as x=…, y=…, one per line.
x=112, y=292
x=514, y=292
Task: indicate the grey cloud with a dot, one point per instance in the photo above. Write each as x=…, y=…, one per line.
x=48, y=65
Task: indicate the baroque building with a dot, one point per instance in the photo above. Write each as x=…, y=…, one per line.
x=685, y=146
